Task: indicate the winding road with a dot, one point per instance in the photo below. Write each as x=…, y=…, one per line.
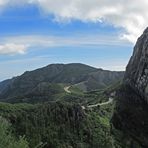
x=110, y=100
x=66, y=88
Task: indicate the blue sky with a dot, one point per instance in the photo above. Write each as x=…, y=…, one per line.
x=31, y=37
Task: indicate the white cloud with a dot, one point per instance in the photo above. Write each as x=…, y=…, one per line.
x=128, y=14
x=57, y=41
x=20, y=44
x=12, y=48
x=131, y=15
x=2, y=2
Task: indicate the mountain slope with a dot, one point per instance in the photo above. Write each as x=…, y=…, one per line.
x=46, y=81
x=58, y=125
x=101, y=79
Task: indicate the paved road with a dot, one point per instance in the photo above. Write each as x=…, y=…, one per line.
x=110, y=100
x=66, y=88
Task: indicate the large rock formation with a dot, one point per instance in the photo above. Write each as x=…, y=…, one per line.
x=137, y=70
x=131, y=112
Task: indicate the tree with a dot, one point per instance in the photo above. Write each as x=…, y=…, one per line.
x=7, y=140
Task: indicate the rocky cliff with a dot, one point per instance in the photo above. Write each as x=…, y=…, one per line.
x=137, y=70
x=131, y=111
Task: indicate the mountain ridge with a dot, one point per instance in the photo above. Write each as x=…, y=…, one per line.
x=41, y=79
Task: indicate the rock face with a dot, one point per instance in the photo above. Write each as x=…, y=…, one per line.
x=131, y=112
x=137, y=70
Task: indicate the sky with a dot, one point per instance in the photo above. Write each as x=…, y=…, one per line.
x=100, y=33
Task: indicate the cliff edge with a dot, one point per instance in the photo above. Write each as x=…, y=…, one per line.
x=131, y=111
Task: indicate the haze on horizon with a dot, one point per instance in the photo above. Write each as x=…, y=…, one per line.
x=35, y=33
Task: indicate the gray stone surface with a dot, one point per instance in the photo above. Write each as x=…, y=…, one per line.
x=137, y=70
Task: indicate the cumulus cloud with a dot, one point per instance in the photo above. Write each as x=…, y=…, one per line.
x=11, y=48
x=130, y=15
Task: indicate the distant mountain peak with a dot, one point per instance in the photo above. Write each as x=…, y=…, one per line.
x=80, y=75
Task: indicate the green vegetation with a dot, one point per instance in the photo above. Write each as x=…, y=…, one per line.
x=50, y=117
x=75, y=90
x=7, y=139
x=59, y=125
x=61, y=122
x=43, y=84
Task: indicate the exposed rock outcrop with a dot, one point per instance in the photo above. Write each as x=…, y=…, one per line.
x=137, y=70
x=131, y=111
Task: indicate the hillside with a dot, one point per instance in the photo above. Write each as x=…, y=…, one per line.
x=71, y=123
x=100, y=79
x=59, y=125
x=45, y=82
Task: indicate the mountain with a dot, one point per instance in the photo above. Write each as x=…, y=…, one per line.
x=49, y=80
x=100, y=79
x=131, y=113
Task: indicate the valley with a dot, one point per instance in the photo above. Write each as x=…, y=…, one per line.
x=73, y=74
x=56, y=114
x=77, y=106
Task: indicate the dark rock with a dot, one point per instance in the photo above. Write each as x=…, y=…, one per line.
x=137, y=70
x=131, y=111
